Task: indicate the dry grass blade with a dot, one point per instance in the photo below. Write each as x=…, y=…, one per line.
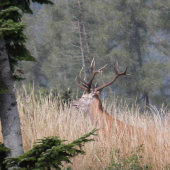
x=41, y=116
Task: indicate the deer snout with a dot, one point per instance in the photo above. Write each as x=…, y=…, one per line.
x=75, y=104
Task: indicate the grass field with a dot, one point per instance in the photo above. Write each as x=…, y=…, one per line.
x=44, y=116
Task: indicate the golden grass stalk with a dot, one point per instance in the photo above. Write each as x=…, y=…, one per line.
x=44, y=116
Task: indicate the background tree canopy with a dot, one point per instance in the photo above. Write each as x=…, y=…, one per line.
x=66, y=36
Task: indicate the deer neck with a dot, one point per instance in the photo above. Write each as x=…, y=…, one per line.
x=95, y=110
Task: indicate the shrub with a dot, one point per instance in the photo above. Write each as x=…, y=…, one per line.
x=3, y=149
x=49, y=152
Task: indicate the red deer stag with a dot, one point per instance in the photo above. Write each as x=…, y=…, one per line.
x=90, y=103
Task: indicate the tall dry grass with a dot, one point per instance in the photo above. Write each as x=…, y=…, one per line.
x=43, y=116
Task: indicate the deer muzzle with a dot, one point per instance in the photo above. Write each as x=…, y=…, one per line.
x=75, y=104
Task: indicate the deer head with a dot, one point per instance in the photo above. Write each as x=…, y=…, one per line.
x=90, y=101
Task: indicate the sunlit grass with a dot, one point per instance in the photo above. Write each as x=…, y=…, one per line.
x=44, y=116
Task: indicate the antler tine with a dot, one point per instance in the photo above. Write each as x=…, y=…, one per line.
x=99, y=70
x=84, y=88
x=123, y=73
x=102, y=78
x=83, y=81
x=94, y=73
x=92, y=65
x=117, y=75
x=117, y=65
x=87, y=85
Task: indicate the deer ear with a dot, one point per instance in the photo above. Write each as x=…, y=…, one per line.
x=98, y=93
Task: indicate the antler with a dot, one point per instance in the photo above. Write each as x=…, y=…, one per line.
x=117, y=75
x=87, y=85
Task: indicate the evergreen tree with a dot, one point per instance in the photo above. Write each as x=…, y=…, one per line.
x=133, y=39
x=50, y=152
x=160, y=17
x=13, y=50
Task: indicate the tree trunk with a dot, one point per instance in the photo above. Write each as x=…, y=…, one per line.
x=139, y=55
x=137, y=41
x=9, y=114
x=146, y=98
x=84, y=31
x=81, y=48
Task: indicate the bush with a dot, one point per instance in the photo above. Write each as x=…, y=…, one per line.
x=49, y=152
x=3, y=149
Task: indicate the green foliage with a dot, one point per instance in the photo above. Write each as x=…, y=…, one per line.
x=3, y=149
x=66, y=96
x=12, y=30
x=24, y=5
x=3, y=87
x=124, y=31
x=129, y=163
x=50, y=152
x=162, y=19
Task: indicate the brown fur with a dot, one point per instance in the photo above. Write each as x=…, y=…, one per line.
x=91, y=104
x=108, y=125
x=105, y=121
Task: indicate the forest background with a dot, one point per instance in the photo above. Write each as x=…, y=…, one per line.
x=66, y=36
